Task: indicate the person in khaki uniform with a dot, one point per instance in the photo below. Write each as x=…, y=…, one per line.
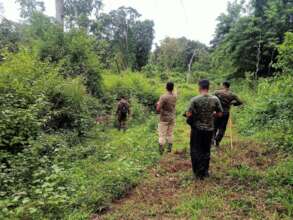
x=166, y=106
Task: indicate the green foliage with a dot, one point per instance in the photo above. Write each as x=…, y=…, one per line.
x=78, y=13
x=285, y=57
x=280, y=177
x=249, y=43
x=131, y=85
x=80, y=60
x=268, y=111
x=244, y=174
x=29, y=7
x=67, y=182
x=193, y=77
x=35, y=97
x=125, y=41
x=150, y=70
x=10, y=36
x=177, y=53
x=73, y=51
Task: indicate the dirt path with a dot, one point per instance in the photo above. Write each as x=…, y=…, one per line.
x=235, y=190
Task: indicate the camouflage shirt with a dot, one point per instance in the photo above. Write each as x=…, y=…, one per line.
x=227, y=98
x=167, y=104
x=202, y=108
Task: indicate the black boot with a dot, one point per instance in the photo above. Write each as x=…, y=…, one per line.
x=169, y=148
x=161, y=149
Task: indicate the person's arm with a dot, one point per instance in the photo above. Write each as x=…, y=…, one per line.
x=190, y=110
x=159, y=105
x=219, y=109
x=128, y=108
x=118, y=108
x=236, y=101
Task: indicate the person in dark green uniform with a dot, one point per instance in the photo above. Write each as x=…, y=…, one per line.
x=227, y=98
x=200, y=115
x=122, y=112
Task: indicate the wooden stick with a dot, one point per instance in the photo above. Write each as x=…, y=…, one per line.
x=231, y=133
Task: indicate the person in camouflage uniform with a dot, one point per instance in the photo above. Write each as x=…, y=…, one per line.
x=200, y=115
x=227, y=98
x=166, y=106
x=122, y=112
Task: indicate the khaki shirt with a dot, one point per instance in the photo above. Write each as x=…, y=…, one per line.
x=167, y=106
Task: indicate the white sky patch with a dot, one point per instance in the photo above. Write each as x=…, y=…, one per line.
x=194, y=19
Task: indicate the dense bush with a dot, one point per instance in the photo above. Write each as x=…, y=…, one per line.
x=41, y=113
x=131, y=85
x=268, y=111
x=285, y=58
x=51, y=165
x=73, y=51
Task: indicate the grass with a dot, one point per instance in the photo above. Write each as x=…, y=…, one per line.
x=248, y=181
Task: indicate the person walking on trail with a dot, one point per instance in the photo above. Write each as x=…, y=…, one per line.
x=166, y=106
x=200, y=116
x=227, y=98
x=123, y=111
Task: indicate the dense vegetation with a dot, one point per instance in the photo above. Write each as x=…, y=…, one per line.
x=57, y=163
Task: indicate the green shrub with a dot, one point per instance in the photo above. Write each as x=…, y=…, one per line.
x=285, y=58
x=280, y=178
x=267, y=113
x=73, y=51
x=131, y=85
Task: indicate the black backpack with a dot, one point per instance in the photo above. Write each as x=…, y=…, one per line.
x=124, y=109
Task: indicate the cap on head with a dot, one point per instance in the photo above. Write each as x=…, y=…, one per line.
x=226, y=84
x=204, y=84
x=170, y=86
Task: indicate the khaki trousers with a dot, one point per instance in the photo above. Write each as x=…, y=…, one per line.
x=165, y=130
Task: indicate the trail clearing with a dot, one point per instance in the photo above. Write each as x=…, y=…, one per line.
x=237, y=188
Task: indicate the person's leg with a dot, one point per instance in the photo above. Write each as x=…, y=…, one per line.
x=119, y=123
x=170, y=135
x=223, y=121
x=200, y=154
x=123, y=124
x=162, y=128
x=194, y=154
x=216, y=129
x=206, y=152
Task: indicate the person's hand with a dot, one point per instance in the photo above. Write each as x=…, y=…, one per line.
x=188, y=114
x=217, y=114
x=157, y=107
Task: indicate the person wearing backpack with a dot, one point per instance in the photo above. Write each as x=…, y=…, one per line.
x=166, y=106
x=123, y=111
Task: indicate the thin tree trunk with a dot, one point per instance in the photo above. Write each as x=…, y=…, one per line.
x=191, y=60
x=60, y=12
x=258, y=57
x=272, y=61
x=190, y=65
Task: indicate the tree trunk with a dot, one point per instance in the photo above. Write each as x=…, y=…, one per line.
x=258, y=58
x=60, y=12
x=191, y=60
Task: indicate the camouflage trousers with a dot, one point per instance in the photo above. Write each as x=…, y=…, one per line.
x=122, y=122
x=220, y=127
x=200, y=150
